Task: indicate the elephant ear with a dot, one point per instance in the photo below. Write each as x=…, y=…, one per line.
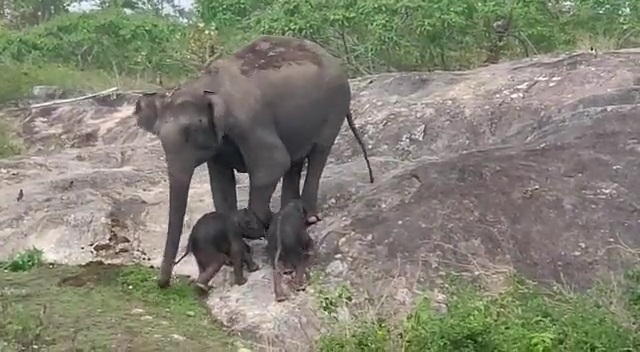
x=218, y=113
x=146, y=111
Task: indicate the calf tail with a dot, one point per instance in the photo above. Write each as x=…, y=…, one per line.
x=186, y=252
x=352, y=126
x=276, y=259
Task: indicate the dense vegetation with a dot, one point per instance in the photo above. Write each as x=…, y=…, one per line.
x=519, y=317
x=133, y=40
x=135, y=43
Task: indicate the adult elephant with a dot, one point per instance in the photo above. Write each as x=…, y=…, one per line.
x=263, y=110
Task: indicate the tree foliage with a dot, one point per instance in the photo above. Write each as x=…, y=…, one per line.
x=133, y=37
x=446, y=34
x=108, y=40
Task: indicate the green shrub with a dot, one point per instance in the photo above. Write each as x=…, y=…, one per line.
x=522, y=318
x=24, y=261
x=109, y=40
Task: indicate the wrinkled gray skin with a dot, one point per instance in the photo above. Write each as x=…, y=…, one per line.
x=289, y=244
x=216, y=240
x=263, y=111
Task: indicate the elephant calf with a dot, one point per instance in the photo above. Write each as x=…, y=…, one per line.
x=216, y=240
x=289, y=244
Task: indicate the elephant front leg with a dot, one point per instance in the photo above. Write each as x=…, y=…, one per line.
x=317, y=161
x=291, y=183
x=222, y=180
x=237, y=256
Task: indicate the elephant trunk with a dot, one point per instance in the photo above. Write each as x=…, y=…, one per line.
x=180, y=173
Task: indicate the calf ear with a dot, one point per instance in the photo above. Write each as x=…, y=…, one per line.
x=218, y=113
x=146, y=111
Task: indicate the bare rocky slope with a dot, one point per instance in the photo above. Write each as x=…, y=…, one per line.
x=529, y=165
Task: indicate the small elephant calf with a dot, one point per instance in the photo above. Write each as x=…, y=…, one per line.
x=289, y=244
x=216, y=240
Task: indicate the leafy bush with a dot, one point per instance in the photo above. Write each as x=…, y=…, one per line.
x=522, y=318
x=109, y=40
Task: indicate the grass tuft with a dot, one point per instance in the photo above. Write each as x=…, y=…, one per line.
x=24, y=261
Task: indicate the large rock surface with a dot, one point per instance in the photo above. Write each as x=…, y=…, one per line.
x=529, y=165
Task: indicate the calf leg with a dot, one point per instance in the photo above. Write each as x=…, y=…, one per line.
x=205, y=276
x=237, y=254
x=202, y=264
x=285, y=266
x=249, y=262
x=301, y=276
x=307, y=275
x=291, y=183
x=278, y=291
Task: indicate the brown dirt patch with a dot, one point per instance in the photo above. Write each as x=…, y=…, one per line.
x=92, y=273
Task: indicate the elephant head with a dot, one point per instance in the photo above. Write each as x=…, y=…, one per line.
x=195, y=117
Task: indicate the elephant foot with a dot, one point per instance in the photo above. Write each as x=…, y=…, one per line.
x=164, y=282
x=300, y=287
x=241, y=281
x=202, y=289
x=281, y=297
x=298, y=284
x=164, y=276
x=253, y=268
x=313, y=219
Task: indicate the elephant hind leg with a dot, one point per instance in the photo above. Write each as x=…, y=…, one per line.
x=317, y=160
x=291, y=183
x=210, y=271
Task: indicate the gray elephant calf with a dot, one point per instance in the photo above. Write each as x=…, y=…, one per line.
x=216, y=240
x=289, y=244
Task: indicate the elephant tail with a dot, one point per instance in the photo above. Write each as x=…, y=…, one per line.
x=352, y=126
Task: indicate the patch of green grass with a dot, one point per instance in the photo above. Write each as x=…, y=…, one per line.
x=21, y=77
x=329, y=301
x=99, y=307
x=24, y=261
x=522, y=318
x=632, y=294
